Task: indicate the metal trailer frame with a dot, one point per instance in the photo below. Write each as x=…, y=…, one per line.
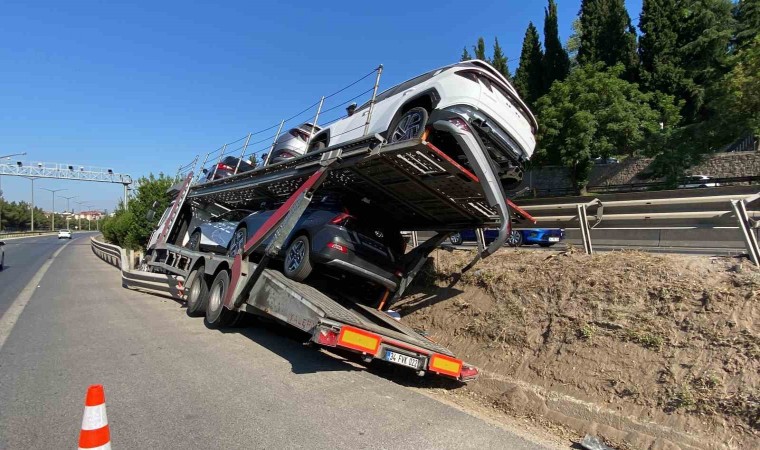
x=431, y=189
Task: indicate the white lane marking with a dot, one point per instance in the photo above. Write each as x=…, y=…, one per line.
x=9, y=319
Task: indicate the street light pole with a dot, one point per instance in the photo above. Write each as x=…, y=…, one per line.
x=68, y=208
x=32, y=209
x=79, y=225
x=52, y=223
x=1, y=187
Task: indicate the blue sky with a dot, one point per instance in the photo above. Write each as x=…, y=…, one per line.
x=142, y=87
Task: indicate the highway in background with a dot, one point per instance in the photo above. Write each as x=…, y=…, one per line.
x=23, y=257
x=172, y=383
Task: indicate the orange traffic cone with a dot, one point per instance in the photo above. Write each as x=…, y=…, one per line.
x=95, y=433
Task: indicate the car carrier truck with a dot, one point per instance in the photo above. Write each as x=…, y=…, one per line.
x=413, y=183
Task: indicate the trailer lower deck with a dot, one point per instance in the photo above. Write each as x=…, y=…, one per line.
x=329, y=322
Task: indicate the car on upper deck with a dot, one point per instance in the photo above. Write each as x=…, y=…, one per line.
x=472, y=95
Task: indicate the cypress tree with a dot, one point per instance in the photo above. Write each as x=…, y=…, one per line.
x=499, y=61
x=556, y=62
x=529, y=78
x=480, y=50
x=607, y=35
x=659, y=48
x=465, y=55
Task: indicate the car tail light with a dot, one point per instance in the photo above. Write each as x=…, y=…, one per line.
x=338, y=247
x=327, y=337
x=399, y=273
x=222, y=166
x=341, y=218
x=461, y=124
x=285, y=154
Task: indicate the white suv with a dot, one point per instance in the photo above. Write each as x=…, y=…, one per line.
x=472, y=91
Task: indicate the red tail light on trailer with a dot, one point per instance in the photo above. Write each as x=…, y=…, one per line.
x=327, y=337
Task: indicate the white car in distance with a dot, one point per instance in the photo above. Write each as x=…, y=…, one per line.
x=472, y=95
x=64, y=234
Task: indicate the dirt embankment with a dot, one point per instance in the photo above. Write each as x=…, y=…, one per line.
x=650, y=351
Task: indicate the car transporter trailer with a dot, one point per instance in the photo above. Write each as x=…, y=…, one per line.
x=418, y=187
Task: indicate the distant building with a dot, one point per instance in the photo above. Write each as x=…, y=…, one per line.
x=91, y=215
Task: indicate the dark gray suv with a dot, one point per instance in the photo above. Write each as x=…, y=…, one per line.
x=333, y=238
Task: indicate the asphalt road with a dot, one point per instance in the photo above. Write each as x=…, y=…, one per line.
x=23, y=257
x=172, y=383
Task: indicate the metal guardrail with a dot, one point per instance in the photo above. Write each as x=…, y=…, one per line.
x=715, y=208
x=15, y=234
x=154, y=283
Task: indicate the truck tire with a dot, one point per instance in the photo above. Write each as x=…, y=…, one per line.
x=217, y=316
x=197, y=292
x=297, y=259
x=194, y=243
x=409, y=125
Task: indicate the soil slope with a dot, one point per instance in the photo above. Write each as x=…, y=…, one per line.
x=649, y=351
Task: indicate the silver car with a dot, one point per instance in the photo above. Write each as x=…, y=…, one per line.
x=293, y=143
x=214, y=235
x=2, y=255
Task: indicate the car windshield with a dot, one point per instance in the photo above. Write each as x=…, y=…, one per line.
x=236, y=215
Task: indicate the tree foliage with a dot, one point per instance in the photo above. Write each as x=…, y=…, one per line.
x=131, y=228
x=607, y=35
x=556, y=62
x=594, y=112
x=499, y=60
x=529, y=75
x=465, y=55
x=480, y=50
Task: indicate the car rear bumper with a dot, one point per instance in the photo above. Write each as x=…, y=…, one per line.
x=362, y=272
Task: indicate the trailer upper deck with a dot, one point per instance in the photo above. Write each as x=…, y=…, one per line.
x=413, y=184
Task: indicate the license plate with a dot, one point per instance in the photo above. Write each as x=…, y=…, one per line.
x=553, y=239
x=403, y=360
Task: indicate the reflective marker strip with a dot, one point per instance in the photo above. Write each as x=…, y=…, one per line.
x=360, y=340
x=94, y=417
x=100, y=438
x=445, y=365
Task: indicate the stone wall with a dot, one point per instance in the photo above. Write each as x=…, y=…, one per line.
x=556, y=179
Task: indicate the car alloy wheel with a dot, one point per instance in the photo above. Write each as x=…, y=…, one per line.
x=295, y=256
x=237, y=243
x=410, y=125
x=514, y=239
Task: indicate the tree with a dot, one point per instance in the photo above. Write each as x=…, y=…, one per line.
x=480, y=50
x=659, y=47
x=738, y=100
x=465, y=55
x=574, y=43
x=596, y=113
x=705, y=33
x=607, y=35
x=556, y=62
x=132, y=228
x=529, y=77
x=499, y=61
x=748, y=22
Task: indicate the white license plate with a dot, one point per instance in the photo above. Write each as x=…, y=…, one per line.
x=553, y=239
x=403, y=360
